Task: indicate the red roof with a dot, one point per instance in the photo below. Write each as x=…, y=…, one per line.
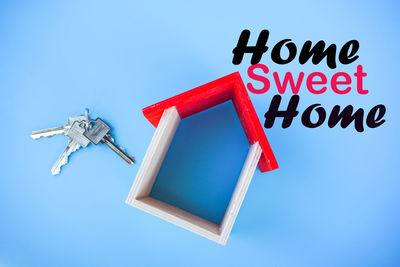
x=227, y=88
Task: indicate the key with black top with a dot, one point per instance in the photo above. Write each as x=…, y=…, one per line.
x=99, y=132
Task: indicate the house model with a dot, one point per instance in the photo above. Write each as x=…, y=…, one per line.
x=166, y=116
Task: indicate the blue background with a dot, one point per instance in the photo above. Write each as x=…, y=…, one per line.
x=333, y=202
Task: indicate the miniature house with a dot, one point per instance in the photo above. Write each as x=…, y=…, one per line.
x=166, y=116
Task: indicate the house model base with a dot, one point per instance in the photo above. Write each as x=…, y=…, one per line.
x=166, y=116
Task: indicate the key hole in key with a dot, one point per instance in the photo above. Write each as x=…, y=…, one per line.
x=203, y=163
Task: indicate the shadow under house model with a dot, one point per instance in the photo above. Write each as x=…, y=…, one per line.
x=166, y=116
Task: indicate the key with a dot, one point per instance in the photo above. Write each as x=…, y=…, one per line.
x=99, y=132
x=80, y=131
x=76, y=141
x=60, y=130
x=63, y=159
x=49, y=132
x=73, y=129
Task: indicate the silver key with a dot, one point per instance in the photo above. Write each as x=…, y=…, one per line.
x=99, y=132
x=62, y=129
x=76, y=130
x=73, y=129
x=63, y=159
x=76, y=141
x=49, y=132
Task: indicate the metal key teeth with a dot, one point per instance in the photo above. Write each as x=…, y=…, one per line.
x=76, y=141
x=131, y=157
x=118, y=150
x=63, y=159
x=48, y=132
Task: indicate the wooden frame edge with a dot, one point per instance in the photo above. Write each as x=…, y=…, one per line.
x=139, y=194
